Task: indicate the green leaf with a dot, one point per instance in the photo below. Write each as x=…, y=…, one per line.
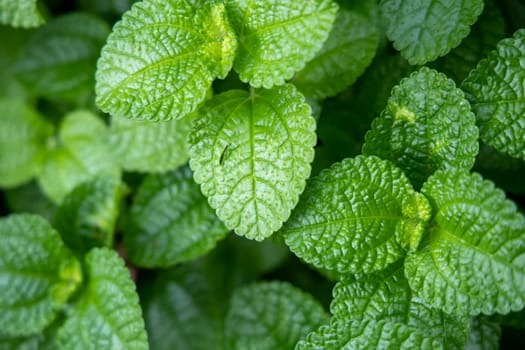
x=83, y=152
x=59, y=59
x=87, y=216
x=30, y=199
x=357, y=216
x=251, y=153
x=344, y=56
x=277, y=38
x=271, y=315
x=24, y=135
x=162, y=57
x=386, y=296
x=472, y=259
x=20, y=13
x=484, y=334
x=37, y=274
x=108, y=314
x=170, y=221
x=427, y=29
x=148, y=146
x=495, y=90
x=427, y=125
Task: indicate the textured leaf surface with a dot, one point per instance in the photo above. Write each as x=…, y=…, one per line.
x=24, y=135
x=277, y=38
x=495, y=90
x=148, y=146
x=83, y=152
x=473, y=258
x=344, y=56
x=108, y=315
x=162, y=57
x=87, y=216
x=427, y=29
x=37, y=274
x=170, y=221
x=271, y=315
x=251, y=153
x=484, y=334
x=20, y=13
x=59, y=59
x=357, y=216
x=427, y=125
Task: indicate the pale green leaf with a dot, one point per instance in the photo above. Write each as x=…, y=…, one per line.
x=86, y=217
x=427, y=125
x=251, y=153
x=427, y=29
x=148, y=146
x=357, y=216
x=277, y=38
x=344, y=56
x=484, y=334
x=162, y=57
x=170, y=221
x=497, y=94
x=20, y=13
x=271, y=315
x=24, y=135
x=37, y=274
x=108, y=314
x=473, y=257
x=59, y=59
x=82, y=152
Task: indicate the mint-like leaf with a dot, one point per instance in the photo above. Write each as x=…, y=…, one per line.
x=20, y=13
x=484, y=334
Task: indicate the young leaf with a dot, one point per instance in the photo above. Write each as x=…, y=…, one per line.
x=427, y=125
x=24, y=135
x=344, y=56
x=87, y=216
x=170, y=221
x=20, y=13
x=427, y=29
x=484, y=334
x=358, y=216
x=495, y=90
x=108, y=315
x=251, y=153
x=277, y=38
x=271, y=315
x=83, y=153
x=148, y=146
x=162, y=57
x=37, y=274
x=472, y=260
x=59, y=59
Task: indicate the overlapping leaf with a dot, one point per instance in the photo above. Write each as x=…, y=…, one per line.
x=358, y=216
x=162, y=57
x=251, y=153
x=495, y=90
x=20, y=13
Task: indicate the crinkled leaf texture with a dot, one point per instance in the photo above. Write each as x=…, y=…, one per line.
x=473, y=257
x=148, y=146
x=251, y=153
x=277, y=37
x=484, y=334
x=24, y=135
x=37, y=274
x=344, y=56
x=86, y=218
x=271, y=315
x=170, y=221
x=497, y=94
x=59, y=59
x=424, y=30
x=357, y=216
x=427, y=125
x=162, y=57
x=108, y=314
x=20, y=13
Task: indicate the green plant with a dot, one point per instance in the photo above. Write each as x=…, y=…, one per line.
x=257, y=162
